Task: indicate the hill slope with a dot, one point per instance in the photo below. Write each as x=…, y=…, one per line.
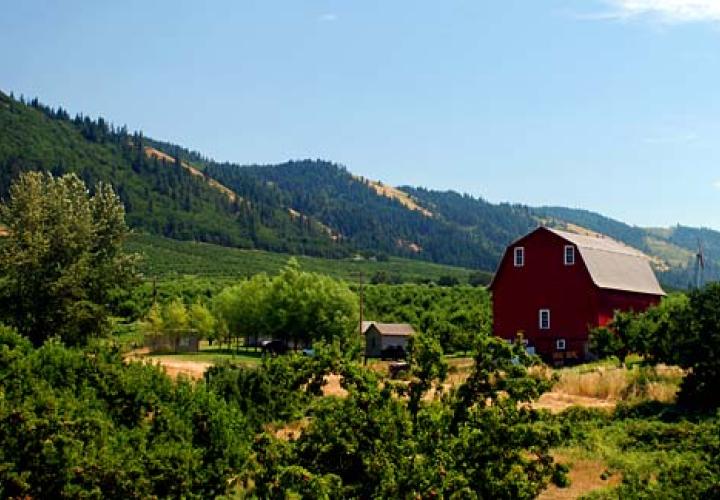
x=393, y=221
x=161, y=195
x=309, y=207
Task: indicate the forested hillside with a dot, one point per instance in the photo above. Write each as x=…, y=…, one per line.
x=160, y=196
x=306, y=207
x=370, y=221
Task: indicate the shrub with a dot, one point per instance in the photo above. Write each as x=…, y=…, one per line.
x=86, y=424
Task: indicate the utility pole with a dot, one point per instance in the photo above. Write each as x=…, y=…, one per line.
x=362, y=311
x=699, y=265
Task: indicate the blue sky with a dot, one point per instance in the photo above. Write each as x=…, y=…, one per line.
x=609, y=105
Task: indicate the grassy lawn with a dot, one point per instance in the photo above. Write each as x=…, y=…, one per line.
x=212, y=357
x=214, y=354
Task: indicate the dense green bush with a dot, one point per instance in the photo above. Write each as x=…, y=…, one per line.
x=277, y=391
x=689, y=466
x=85, y=424
x=476, y=442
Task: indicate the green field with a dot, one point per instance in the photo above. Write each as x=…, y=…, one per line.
x=214, y=354
x=168, y=259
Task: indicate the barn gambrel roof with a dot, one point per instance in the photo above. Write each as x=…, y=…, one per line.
x=612, y=265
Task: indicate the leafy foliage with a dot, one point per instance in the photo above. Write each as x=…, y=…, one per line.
x=659, y=450
x=455, y=316
x=280, y=390
x=294, y=306
x=698, y=347
x=160, y=195
x=170, y=260
x=174, y=320
x=478, y=442
x=63, y=262
x=86, y=424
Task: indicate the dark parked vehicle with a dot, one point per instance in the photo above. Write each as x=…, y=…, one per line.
x=394, y=352
x=398, y=367
x=274, y=347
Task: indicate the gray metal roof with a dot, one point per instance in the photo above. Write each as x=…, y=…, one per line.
x=614, y=265
x=394, y=329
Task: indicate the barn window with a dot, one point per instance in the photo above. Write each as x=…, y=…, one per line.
x=519, y=256
x=544, y=319
x=569, y=255
x=560, y=345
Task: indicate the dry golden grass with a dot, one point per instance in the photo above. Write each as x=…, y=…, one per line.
x=585, y=476
x=621, y=384
x=332, y=386
x=396, y=194
x=601, y=384
x=557, y=402
x=658, y=391
x=174, y=368
x=289, y=431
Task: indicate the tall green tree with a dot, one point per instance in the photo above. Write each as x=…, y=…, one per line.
x=294, y=306
x=63, y=262
x=306, y=307
x=202, y=322
x=241, y=308
x=697, y=346
x=176, y=321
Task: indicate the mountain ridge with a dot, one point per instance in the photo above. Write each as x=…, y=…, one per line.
x=311, y=207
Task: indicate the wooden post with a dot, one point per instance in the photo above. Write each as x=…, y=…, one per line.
x=362, y=307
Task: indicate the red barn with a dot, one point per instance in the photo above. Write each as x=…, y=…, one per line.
x=554, y=286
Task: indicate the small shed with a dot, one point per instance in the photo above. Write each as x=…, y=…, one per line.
x=168, y=343
x=382, y=336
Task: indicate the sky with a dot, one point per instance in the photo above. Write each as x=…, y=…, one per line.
x=608, y=105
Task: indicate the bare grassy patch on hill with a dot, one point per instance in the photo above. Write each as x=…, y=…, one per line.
x=396, y=194
x=155, y=153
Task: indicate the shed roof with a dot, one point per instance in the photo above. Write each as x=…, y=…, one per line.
x=393, y=329
x=365, y=325
x=614, y=265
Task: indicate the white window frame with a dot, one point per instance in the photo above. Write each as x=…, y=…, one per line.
x=519, y=252
x=540, y=319
x=569, y=262
x=560, y=345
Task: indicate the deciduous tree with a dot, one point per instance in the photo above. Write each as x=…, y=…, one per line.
x=63, y=261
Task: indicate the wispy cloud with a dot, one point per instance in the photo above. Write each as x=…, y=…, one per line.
x=716, y=185
x=674, y=138
x=328, y=17
x=665, y=11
